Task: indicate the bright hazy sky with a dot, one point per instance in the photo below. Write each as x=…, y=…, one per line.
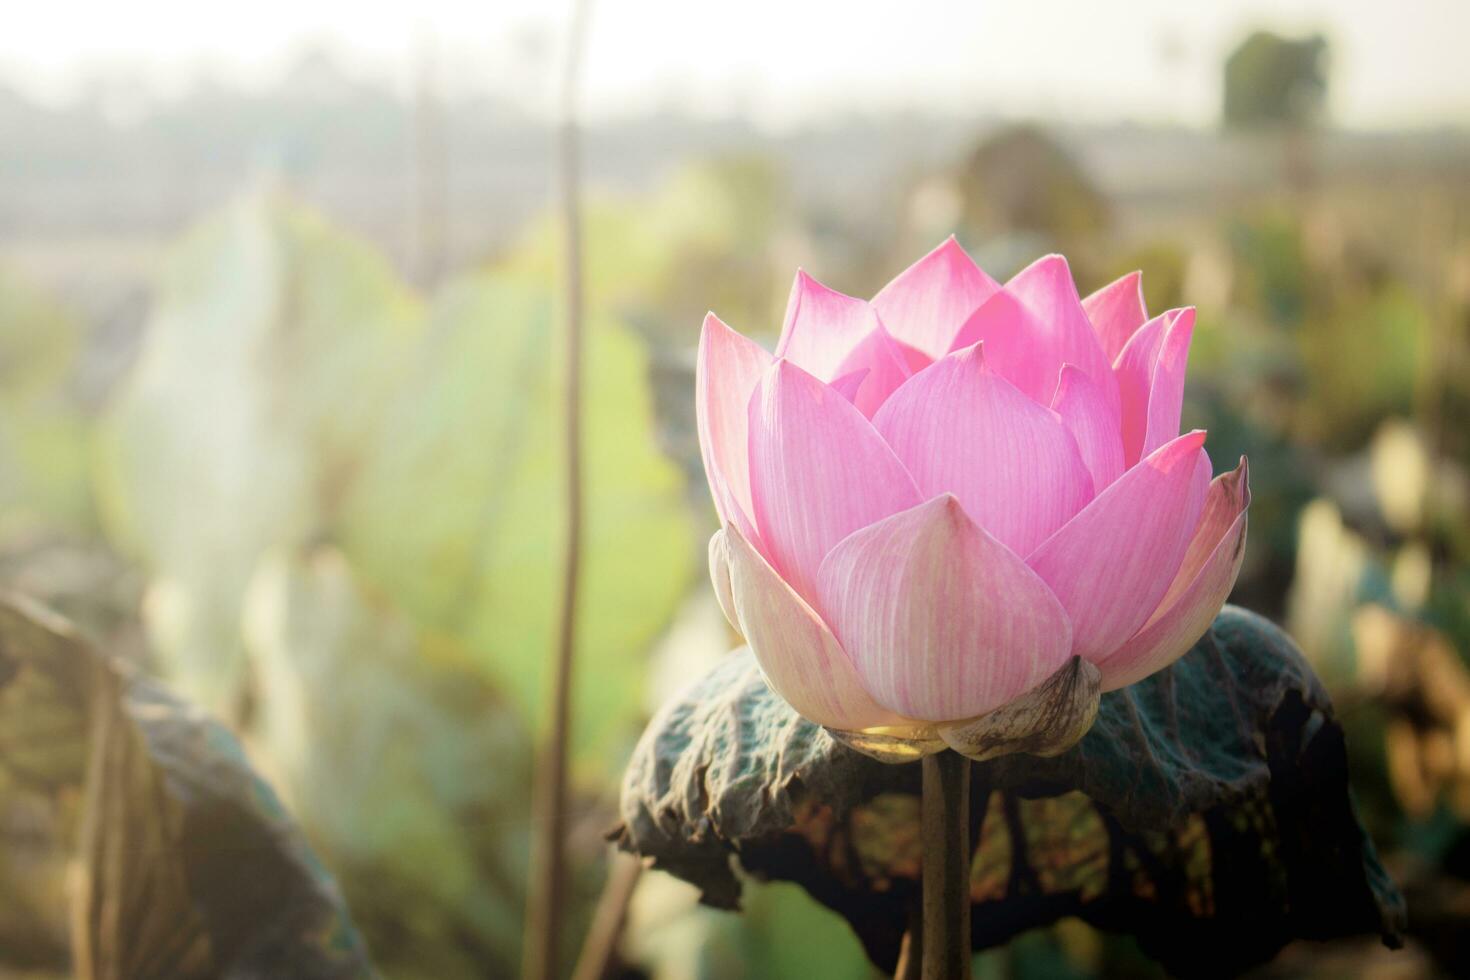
x=1396, y=62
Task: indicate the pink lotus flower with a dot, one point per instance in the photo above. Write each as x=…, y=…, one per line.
x=933, y=501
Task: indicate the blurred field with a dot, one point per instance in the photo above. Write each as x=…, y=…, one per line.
x=277, y=416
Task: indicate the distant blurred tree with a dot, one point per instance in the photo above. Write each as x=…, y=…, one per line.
x=1020, y=181
x=1275, y=81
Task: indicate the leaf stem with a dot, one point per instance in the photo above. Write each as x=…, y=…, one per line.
x=600, y=949
x=546, y=899
x=945, y=838
x=911, y=949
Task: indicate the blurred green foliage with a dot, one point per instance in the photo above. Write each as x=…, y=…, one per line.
x=346, y=501
x=43, y=426
x=455, y=513
x=357, y=703
x=780, y=932
x=701, y=241
x=268, y=352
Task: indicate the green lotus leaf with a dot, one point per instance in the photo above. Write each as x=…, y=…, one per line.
x=188, y=864
x=459, y=513
x=1206, y=812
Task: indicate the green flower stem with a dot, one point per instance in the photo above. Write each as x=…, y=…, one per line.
x=945, y=838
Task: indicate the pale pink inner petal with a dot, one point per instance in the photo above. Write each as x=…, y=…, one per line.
x=822, y=326
x=1016, y=345
x=1199, y=590
x=1116, y=311
x=915, y=359
x=1166, y=390
x=961, y=428
x=818, y=471
x=942, y=621
x=1093, y=424
x=1134, y=370
x=1112, y=563
x=728, y=368
x=1035, y=325
x=925, y=305
x=886, y=364
x=1047, y=289
x=797, y=653
x=848, y=385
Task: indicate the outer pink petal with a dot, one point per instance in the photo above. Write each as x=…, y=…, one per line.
x=1116, y=311
x=1134, y=369
x=1228, y=496
x=886, y=363
x=1199, y=590
x=728, y=369
x=1085, y=413
x=719, y=576
x=961, y=428
x=942, y=621
x=1112, y=563
x=798, y=654
x=925, y=304
x=822, y=326
x=1166, y=391
x=818, y=472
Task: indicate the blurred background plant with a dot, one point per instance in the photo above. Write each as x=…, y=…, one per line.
x=278, y=411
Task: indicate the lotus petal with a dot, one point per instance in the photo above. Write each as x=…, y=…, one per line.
x=941, y=620
x=719, y=576
x=1045, y=721
x=797, y=653
x=848, y=385
x=1085, y=413
x=1034, y=326
x=1166, y=389
x=961, y=428
x=728, y=368
x=1112, y=563
x=1046, y=288
x=1199, y=590
x=1136, y=369
x=1116, y=311
x=822, y=326
x=925, y=304
x=887, y=365
x=818, y=472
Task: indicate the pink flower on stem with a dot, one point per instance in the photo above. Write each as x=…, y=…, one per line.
x=933, y=501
